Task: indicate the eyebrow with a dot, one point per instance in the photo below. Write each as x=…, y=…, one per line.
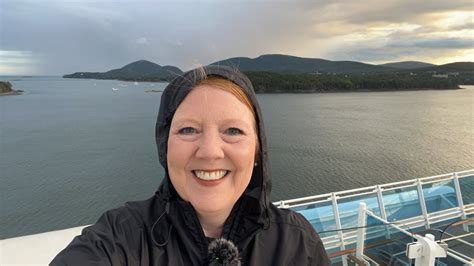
x=233, y=120
x=180, y=121
x=184, y=120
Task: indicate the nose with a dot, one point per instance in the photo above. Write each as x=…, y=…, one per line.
x=210, y=146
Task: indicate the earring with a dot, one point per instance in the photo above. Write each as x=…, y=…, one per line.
x=255, y=164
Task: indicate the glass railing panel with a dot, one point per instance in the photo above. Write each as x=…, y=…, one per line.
x=448, y=261
x=401, y=203
x=440, y=196
x=335, y=260
x=436, y=229
x=386, y=245
x=349, y=208
x=467, y=187
x=321, y=217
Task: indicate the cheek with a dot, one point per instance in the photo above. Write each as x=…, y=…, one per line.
x=178, y=151
x=244, y=158
x=177, y=160
x=172, y=157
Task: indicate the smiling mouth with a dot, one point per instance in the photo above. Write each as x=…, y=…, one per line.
x=210, y=175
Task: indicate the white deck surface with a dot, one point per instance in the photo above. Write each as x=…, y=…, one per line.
x=37, y=249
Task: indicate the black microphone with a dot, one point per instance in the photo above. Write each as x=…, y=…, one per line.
x=223, y=252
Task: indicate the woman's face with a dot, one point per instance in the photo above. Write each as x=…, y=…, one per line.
x=211, y=149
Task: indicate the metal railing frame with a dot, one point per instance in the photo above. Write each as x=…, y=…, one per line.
x=343, y=238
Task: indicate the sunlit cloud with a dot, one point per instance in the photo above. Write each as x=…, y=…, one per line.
x=435, y=33
x=17, y=62
x=454, y=20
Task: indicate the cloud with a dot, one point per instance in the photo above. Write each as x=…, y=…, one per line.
x=436, y=51
x=371, y=12
x=396, y=30
x=85, y=35
x=17, y=62
x=141, y=40
x=449, y=43
x=467, y=25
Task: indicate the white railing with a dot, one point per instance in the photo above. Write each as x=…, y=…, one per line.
x=424, y=251
x=382, y=187
x=344, y=237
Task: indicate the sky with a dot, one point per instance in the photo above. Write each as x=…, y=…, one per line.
x=57, y=37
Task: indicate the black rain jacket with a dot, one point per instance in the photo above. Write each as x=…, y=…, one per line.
x=165, y=230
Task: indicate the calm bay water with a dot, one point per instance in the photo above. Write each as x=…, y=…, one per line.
x=71, y=149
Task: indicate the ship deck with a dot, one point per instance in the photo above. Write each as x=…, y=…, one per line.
x=395, y=215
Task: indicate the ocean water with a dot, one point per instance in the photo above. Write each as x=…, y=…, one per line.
x=71, y=149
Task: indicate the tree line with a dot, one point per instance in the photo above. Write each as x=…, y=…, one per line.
x=268, y=82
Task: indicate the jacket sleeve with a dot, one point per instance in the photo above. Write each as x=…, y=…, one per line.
x=107, y=242
x=321, y=257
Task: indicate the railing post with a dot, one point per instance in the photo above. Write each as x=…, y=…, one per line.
x=457, y=188
x=383, y=213
x=381, y=203
x=421, y=197
x=338, y=225
x=361, y=223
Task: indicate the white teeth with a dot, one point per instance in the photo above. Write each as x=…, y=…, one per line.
x=210, y=175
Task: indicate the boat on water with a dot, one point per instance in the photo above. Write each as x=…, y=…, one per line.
x=425, y=221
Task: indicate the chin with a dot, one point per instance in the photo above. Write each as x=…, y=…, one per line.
x=210, y=205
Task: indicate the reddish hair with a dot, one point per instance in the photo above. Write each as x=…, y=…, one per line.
x=234, y=89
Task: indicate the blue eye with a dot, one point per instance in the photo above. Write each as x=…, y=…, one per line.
x=187, y=131
x=234, y=131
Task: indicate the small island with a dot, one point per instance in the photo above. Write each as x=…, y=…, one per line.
x=6, y=89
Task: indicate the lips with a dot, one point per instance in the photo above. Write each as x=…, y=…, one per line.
x=210, y=175
x=210, y=178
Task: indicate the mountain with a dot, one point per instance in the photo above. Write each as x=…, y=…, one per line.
x=139, y=70
x=407, y=65
x=286, y=64
x=462, y=67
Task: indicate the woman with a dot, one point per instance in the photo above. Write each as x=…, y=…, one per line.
x=212, y=145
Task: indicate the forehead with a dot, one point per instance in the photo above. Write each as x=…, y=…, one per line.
x=206, y=101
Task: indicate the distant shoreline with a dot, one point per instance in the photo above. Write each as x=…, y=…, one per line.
x=11, y=93
x=357, y=91
x=274, y=90
x=125, y=80
x=6, y=89
x=258, y=90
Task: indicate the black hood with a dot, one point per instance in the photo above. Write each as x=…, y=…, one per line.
x=260, y=184
x=165, y=230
